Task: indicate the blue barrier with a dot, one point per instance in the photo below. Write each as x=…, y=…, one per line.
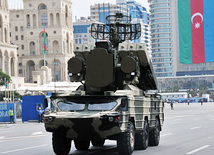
x=4, y=112
x=30, y=105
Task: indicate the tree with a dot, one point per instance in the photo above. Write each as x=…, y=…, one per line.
x=4, y=76
x=176, y=89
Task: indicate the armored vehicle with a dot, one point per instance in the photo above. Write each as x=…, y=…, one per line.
x=113, y=101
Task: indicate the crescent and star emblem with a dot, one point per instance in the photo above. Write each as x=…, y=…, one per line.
x=197, y=24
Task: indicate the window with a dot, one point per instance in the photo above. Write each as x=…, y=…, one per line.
x=56, y=63
x=44, y=19
x=20, y=71
x=16, y=28
x=43, y=7
x=22, y=37
x=22, y=47
x=17, y=38
x=21, y=28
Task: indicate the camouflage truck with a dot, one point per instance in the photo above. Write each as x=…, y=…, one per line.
x=113, y=101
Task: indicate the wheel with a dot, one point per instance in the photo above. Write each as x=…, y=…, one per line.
x=154, y=135
x=126, y=141
x=142, y=137
x=98, y=143
x=61, y=145
x=82, y=145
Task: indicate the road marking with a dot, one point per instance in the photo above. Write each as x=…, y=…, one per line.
x=198, y=149
x=2, y=137
x=197, y=127
x=27, y=148
x=166, y=134
x=17, y=138
x=37, y=133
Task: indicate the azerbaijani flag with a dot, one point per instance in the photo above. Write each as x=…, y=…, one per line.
x=45, y=42
x=5, y=82
x=196, y=31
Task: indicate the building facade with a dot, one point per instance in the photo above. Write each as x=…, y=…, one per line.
x=82, y=31
x=139, y=14
x=165, y=42
x=8, y=51
x=163, y=37
x=27, y=32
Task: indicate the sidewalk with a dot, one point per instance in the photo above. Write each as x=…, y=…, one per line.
x=18, y=121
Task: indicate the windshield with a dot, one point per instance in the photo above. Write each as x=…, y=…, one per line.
x=89, y=105
x=102, y=106
x=70, y=106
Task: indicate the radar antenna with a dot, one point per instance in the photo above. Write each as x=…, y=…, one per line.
x=117, y=29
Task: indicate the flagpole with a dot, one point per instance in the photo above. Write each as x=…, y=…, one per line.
x=44, y=60
x=45, y=45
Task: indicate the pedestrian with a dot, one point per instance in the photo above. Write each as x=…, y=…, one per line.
x=40, y=113
x=11, y=115
x=201, y=101
x=188, y=102
x=171, y=103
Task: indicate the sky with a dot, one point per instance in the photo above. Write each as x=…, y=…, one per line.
x=81, y=8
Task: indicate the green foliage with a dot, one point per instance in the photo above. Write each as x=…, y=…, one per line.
x=193, y=92
x=212, y=95
x=174, y=89
x=2, y=78
x=16, y=95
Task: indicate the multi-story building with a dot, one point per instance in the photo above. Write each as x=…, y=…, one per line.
x=165, y=51
x=27, y=32
x=165, y=42
x=8, y=51
x=100, y=11
x=163, y=37
x=82, y=31
x=139, y=14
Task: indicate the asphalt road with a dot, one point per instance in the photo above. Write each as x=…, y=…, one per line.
x=187, y=130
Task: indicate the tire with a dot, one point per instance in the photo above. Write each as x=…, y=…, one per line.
x=154, y=135
x=126, y=141
x=98, y=143
x=61, y=145
x=82, y=145
x=142, y=138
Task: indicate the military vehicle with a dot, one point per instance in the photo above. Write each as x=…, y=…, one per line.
x=113, y=101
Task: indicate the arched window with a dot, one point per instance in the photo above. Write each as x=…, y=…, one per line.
x=67, y=43
x=41, y=63
x=57, y=19
x=32, y=48
x=44, y=19
x=34, y=20
x=42, y=7
x=52, y=20
x=66, y=15
x=6, y=62
x=12, y=64
x=1, y=33
x=56, y=47
x=28, y=20
x=30, y=67
x=5, y=35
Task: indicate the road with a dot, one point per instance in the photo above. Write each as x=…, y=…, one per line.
x=188, y=129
